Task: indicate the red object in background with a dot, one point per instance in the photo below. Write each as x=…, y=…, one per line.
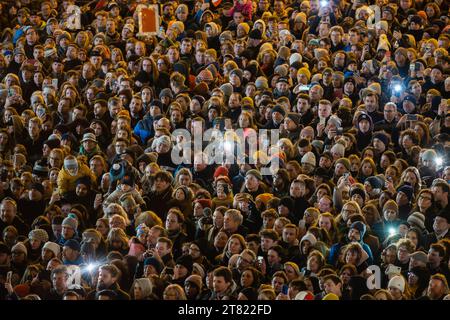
x=149, y=20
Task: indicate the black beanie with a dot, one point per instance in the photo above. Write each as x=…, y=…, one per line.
x=186, y=261
x=288, y=203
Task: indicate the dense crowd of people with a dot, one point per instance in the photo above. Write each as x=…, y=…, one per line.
x=95, y=206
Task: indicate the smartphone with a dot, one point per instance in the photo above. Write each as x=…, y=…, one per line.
x=339, y=131
x=412, y=67
x=285, y=289
x=346, y=175
x=98, y=197
x=9, y=276
x=417, y=66
x=322, y=120
x=260, y=260
x=411, y=117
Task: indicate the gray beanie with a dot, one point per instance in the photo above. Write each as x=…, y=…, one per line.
x=71, y=222
x=282, y=70
x=20, y=247
x=261, y=83
x=53, y=247
x=38, y=234
x=429, y=155
x=227, y=89
x=417, y=219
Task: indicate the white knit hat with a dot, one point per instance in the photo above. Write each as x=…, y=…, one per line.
x=397, y=282
x=295, y=57
x=417, y=219
x=338, y=148
x=20, y=247
x=53, y=247
x=310, y=237
x=310, y=158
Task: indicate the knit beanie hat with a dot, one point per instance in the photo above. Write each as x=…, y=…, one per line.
x=304, y=295
x=195, y=279
x=151, y=261
x=281, y=70
x=407, y=190
x=397, y=282
x=199, y=269
x=345, y=162
x=305, y=72
x=417, y=219
x=335, y=120
x=339, y=149
x=227, y=89
x=264, y=197
x=70, y=222
x=310, y=237
x=38, y=234
x=429, y=155
x=205, y=203
x=185, y=261
x=295, y=117
x=221, y=171
x=295, y=57
x=205, y=75
x=53, y=247
x=261, y=83
x=72, y=244
x=19, y=247
x=294, y=266
x=287, y=202
x=70, y=164
x=390, y=205
x=419, y=256
x=382, y=137
x=254, y=173
x=310, y=158
x=374, y=182
x=360, y=226
x=237, y=72
x=279, y=109
x=359, y=191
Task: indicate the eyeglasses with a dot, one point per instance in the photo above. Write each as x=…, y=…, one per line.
x=424, y=198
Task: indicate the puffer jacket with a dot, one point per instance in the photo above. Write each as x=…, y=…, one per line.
x=66, y=182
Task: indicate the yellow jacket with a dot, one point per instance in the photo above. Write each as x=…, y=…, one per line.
x=66, y=182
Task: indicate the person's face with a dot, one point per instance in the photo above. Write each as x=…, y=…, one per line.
x=7, y=212
x=324, y=111
x=330, y=287
x=172, y=222
x=105, y=279
x=324, y=205
x=67, y=232
x=69, y=253
x=425, y=200
x=354, y=235
x=435, y=289
x=219, y=284
x=289, y=235
x=251, y=182
x=234, y=246
x=247, y=279
x=396, y=293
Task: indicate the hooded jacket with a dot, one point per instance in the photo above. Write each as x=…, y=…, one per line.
x=66, y=182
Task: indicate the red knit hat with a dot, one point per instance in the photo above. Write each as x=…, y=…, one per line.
x=204, y=202
x=22, y=290
x=220, y=171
